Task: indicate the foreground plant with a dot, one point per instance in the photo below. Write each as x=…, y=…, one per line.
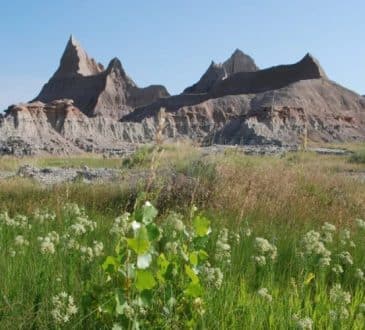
x=159, y=273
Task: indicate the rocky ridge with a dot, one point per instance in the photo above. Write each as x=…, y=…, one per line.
x=238, y=62
x=85, y=107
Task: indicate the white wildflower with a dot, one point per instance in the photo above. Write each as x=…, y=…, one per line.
x=324, y=262
x=82, y=225
x=260, y=260
x=266, y=249
x=47, y=246
x=328, y=230
x=338, y=296
x=12, y=253
x=223, y=248
x=345, y=236
x=120, y=225
x=313, y=246
x=329, y=227
x=305, y=323
x=264, y=293
x=212, y=276
x=346, y=257
x=72, y=210
x=337, y=269
x=340, y=299
x=63, y=308
x=360, y=223
x=171, y=247
x=42, y=216
x=89, y=253
x=49, y=242
x=19, y=221
x=128, y=311
x=21, y=241
x=198, y=305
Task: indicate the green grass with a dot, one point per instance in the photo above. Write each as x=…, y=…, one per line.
x=358, y=157
x=279, y=199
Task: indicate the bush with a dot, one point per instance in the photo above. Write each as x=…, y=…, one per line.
x=141, y=157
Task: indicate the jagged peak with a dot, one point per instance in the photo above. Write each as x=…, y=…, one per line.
x=75, y=61
x=312, y=63
x=240, y=62
x=115, y=65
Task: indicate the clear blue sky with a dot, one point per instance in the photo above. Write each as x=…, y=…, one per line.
x=173, y=42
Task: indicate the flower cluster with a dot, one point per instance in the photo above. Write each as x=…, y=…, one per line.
x=360, y=223
x=42, y=216
x=49, y=242
x=266, y=251
x=223, y=248
x=340, y=300
x=19, y=221
x=213, y=276
x=120, y=225
x=82, y=225
x=305, y=323
x=21, y=241
x=89, y=253
x=345, y=237
x=63, y=308
x=313, y=246
x=327, y=232
x=264, y=293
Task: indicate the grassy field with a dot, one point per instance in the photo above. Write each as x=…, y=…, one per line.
x=239, y=242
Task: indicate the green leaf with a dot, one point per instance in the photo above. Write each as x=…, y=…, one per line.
x=162, y=263
x=192, y=275
x=194, y=290
x=149, y=213
x=110, y=264
x=201, y=226
x=193, y=257
x=145, y=280
x=203, y=255
x=140, y=244
x=119, y=303
x=153, y=232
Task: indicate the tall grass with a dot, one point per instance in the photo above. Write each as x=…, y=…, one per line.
x=279, y=199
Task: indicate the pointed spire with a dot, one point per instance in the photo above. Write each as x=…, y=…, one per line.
x=75, y=61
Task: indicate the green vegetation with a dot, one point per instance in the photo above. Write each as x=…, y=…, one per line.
x=227, y=242
x=358, y=157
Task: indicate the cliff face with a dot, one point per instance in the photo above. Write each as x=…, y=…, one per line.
x=95, y=90
x=61, y=128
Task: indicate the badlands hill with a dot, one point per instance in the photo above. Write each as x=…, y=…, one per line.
x=85, y=107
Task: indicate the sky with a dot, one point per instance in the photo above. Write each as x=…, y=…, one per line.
x=173, y=42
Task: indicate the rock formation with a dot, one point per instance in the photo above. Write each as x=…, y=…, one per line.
x=85, y=107
x=277, y=105
x=95, y=90
x=238, y=62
